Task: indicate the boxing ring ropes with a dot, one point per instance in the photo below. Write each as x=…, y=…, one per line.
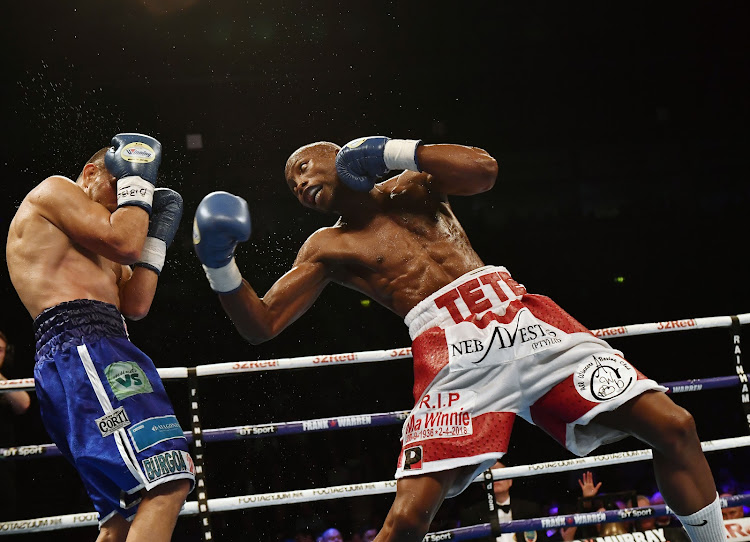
x=198, y=436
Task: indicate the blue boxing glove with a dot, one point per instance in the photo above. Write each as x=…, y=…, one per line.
x=361, y=162
x=133, y=159
x=221, y=221
x=165, y=218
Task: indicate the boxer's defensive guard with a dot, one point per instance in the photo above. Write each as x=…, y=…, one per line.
x=70, y=249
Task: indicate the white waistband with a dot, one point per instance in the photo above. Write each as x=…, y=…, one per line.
x=421, y=315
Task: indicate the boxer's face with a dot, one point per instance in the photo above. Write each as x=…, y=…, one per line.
x=101, y=186
x=311, y=176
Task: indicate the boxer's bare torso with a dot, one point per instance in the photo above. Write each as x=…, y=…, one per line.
x=397, y=243
x=56, y=240
x=403, y=248
x=46, y=266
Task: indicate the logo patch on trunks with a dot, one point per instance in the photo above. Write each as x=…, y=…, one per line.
x=167, y=464
x=110, y=423
x=155, y=430
x=413, y=458
x=126, y=379
x=603, y=377
x=445, y=414
x=471, y=347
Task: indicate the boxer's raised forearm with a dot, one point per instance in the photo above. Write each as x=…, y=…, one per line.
x=457, y=169
x=453, y=169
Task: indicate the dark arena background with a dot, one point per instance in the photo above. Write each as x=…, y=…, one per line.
x=621, y=133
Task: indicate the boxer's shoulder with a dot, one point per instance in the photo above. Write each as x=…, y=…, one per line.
x=323, y=244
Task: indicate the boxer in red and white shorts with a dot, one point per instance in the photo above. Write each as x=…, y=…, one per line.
x=484, y=350
x=520, y=354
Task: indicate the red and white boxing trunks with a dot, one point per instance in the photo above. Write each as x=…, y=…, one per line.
x=485, y=351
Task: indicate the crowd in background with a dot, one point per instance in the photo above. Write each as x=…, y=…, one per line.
x=12, y=404
x=591, y=499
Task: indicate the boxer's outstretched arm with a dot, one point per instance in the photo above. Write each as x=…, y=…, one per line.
x=260, y=319
x=222, y=220
x=456, y=169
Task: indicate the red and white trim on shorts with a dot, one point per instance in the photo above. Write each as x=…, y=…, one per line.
x=562, y=407
x=490, y=437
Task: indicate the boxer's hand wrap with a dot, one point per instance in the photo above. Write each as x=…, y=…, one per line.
x=224, y=280
x=135, y=191
x=361, y=162
x=165, y=219
x=401, y=154
x=153, y=255
x=221, y=221
x=134, y=161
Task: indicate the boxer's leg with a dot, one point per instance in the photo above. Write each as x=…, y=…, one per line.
x=418, y=499
x=114, y=530
x=158, y=511
x=682, y=472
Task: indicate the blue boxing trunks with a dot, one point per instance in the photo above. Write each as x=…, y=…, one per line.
x=105, y=407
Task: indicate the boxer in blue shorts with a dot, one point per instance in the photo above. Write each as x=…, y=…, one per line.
x=70, y=249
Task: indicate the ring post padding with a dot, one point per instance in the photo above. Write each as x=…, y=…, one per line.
x=204, y=514
x=739, y=368
x=489, y=483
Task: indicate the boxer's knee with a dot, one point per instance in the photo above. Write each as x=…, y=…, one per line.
x=167, y=496
x=406, y=522
x=114, y=530
x=656, y=420
x=175, y=490
x=417, y=500
x=676, y=433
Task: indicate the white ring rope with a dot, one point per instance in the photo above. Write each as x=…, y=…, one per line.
x=374, y=488
x=325, y=360
x=241, y=502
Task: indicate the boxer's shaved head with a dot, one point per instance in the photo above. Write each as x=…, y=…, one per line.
x=97, y=159
x=317, y=148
